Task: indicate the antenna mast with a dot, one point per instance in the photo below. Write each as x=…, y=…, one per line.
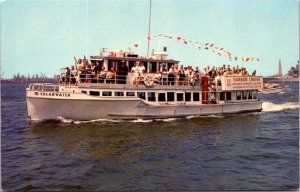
x=149, y=29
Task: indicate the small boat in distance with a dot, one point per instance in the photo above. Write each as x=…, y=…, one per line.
x=272, y=88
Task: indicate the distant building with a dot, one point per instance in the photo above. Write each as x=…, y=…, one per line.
x=294, y=71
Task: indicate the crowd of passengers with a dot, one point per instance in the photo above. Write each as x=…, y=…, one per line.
x=86, y=72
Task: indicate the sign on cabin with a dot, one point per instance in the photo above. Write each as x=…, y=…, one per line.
x=241, y=83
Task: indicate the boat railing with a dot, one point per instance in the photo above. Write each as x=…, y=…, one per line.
x=97, y=79
x=44, y=87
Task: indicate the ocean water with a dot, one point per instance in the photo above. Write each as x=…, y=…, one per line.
x=256, y=151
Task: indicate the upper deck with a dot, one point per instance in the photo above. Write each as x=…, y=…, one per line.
x=114, y=60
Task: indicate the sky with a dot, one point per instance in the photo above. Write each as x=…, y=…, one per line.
x=44, y=36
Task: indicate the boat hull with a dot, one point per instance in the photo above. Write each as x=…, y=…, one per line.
x=49, y=108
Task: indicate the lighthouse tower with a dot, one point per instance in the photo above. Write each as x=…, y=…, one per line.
x=279, y=69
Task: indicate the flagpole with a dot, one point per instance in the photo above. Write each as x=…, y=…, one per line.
x=149, y=27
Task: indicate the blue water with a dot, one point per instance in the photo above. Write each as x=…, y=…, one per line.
x=257, y=151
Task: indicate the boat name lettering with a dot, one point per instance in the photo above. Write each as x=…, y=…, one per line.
x=246, y=78
x=55, y=94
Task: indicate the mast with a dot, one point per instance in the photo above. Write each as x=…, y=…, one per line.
x=149, y=27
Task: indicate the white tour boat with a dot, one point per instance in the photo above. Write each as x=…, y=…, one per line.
x=91, y=97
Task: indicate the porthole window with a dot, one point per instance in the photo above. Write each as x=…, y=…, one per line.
x=238, y=95
x=106, y=93
x=245, y=93
x=141, y=95
x=130, y=94
x=250, y=93
x=95, y=93
x=170, y=96
x=196, y=96
x=119, y=93
x=222, y=96
x=187, y=96
x=228, y=96
x=161, y=97
x=151, y=96
x=180, y=97
x=254, y=95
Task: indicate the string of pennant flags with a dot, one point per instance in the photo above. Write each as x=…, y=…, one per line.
x=200, y=46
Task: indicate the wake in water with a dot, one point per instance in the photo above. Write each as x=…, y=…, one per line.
x=71, y=121
x=268, y=106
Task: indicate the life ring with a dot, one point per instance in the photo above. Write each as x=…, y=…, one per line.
x=148, y=81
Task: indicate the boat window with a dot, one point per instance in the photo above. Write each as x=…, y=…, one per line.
x=254, y=95
x=212, y=97
x=95, y=93
x=112, y=64
x=130, y=94
x=228, y=96
x=152, y=67
x=187, y=96
x=131, y=64
x=222, y=96
x=161, y=97
x=244, y=93
x=119, y=93
x=250, y=94
x=238, y=95
x=141, y=95
x=106, y=93
x=151, y=96
x=196, y=96
x=180, y=97
x=83, y=92
x=170, y=96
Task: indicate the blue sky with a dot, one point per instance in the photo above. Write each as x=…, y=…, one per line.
x=43, y=36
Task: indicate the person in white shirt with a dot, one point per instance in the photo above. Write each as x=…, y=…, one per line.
x=157, y=77
x=171, y=76
x=181, y=75
x=141, y=68
x=135, y=71
x=102, y=75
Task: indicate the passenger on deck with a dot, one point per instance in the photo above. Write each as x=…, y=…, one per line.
x=157, y=78
x=141, y=68
x=141, y=77
x=191, y=77
x=79, y=70
x=111, y=76
x=97, y=68
x=79, y=64
x=135, y=71
x=93, y=77
x=181, y=76
x=68, y=75
x=123, y=73
x=73, y=74
x=171, y=76
x=102, y=75
x=164, y=71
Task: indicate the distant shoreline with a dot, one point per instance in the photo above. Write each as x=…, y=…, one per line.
x=29, y=81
